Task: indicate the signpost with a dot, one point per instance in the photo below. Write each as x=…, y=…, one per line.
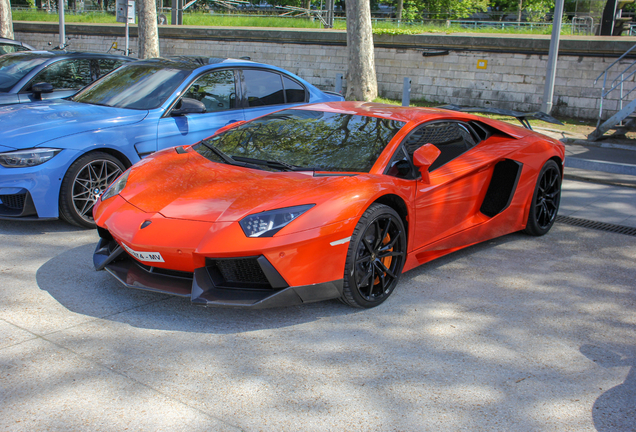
x=126, y=14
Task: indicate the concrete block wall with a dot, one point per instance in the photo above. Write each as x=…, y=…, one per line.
x=513, y=77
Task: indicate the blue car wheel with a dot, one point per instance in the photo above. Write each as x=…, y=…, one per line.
x=86, y=179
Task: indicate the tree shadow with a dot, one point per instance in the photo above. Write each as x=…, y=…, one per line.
x=614, y=410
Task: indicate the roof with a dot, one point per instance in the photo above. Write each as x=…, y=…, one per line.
x=65, y=54
x=190, y=63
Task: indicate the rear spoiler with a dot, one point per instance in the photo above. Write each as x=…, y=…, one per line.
x=521, y=116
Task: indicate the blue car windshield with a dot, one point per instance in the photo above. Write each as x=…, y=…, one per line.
x=13, y=69
x=140, y=87
x=296, y=139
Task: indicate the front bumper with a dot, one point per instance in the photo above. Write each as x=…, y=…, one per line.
x=215, y=284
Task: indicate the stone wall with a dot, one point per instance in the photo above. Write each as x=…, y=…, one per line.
x=476, y=70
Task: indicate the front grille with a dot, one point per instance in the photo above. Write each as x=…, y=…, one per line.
x=243, y=270
x=14, y=202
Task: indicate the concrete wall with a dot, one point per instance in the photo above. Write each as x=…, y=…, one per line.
x=478, y=70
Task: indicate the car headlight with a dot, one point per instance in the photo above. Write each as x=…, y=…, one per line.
x=27, y=158
x=116, y=186
x=268, y=223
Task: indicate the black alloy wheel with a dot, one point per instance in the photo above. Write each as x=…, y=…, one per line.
x=85, y=181
x=545, y=201
x=375, y=258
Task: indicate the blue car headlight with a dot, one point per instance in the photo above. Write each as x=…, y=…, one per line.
x=116, y=186
x=268, y=223
x=27, y=158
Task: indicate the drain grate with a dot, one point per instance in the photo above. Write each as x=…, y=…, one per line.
x=584, y=223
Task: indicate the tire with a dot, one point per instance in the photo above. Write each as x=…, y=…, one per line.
x=376, y=256
x=545, y=200
x=84, y=182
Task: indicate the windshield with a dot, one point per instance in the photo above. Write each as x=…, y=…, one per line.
x=13, y=69
x=318, y=140
x=140, y=87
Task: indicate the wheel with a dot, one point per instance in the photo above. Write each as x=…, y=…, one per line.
x=545, y=201
x=84, y=182
x=375, y=258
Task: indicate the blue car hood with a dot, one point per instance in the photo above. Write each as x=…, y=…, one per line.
x=29, y=125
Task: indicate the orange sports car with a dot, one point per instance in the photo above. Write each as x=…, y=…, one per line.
x=323, y=201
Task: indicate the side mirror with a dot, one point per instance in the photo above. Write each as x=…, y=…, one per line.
x=188, y=106
x=229, y=126
x=423, y=158
x=41, y=87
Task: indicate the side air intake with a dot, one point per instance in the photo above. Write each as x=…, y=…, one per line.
x=502, y=187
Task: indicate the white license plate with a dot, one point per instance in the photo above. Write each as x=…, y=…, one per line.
x=145, y=256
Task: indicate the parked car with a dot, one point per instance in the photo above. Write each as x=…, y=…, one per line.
x=57, y=157
x=44, y=75
x=8, y=46
x=323, y=201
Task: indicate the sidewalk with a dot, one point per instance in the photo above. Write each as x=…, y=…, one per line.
x=600, y=179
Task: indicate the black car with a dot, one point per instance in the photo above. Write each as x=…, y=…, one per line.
x=41, y=75
x=8, y=46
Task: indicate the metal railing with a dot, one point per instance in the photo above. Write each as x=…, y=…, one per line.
x=616, y=84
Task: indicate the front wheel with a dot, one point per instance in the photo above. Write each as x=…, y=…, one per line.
x=545, y=201
x=84, y=182
x=375, y=258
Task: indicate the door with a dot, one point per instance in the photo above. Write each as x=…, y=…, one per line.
x=217, y=92
x=451, y=201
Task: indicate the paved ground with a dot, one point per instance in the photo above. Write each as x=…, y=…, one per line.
x=518, y=333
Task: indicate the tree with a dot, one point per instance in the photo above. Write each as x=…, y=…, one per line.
x=147, y=28
x=361, y=80
x=6, y=20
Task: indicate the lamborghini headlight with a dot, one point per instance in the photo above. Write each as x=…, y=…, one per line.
x=116, y=187
x=268, y=223
x=27, y=158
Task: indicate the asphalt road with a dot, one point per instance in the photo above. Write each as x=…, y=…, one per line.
x=515, y=334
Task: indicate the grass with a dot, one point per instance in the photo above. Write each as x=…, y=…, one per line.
x=218, y=20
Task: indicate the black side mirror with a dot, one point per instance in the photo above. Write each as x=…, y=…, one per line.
x=40, y=88
x=188, y=106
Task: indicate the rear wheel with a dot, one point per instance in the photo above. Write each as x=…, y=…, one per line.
x=375, y=258
x=86, y=179
x=545, y=201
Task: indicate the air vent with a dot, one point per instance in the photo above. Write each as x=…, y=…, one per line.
x=602, y=226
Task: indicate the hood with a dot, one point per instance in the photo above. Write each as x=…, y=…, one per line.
x=188, y=186
x=29, y=125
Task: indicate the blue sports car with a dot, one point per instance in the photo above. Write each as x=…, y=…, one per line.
x=57, y=157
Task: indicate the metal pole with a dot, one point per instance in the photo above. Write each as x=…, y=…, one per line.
x=60, y=10
x=406, y=92
x=127, y=37
x=548, y=92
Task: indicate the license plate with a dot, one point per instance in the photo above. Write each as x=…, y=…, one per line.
x=145, y=256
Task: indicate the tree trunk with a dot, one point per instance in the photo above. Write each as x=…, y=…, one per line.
x=361, y=80
x=148, y=32
x=519, y=11
x=400, y=7
x=6, y=20
x=306, y=4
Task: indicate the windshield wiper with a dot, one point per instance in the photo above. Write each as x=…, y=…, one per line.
x=228, y=159
x=274, y=164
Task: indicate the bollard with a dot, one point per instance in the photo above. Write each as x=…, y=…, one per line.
x=339, y=78
x=406, y=92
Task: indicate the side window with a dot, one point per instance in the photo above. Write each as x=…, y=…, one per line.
x=263, y=88
x=451, y=138
x=66, y=74
x=103, y=66
x=216, y=90
x=400, y=165
x=294, y=92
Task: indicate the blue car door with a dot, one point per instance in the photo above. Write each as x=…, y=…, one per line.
x=216, y=90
